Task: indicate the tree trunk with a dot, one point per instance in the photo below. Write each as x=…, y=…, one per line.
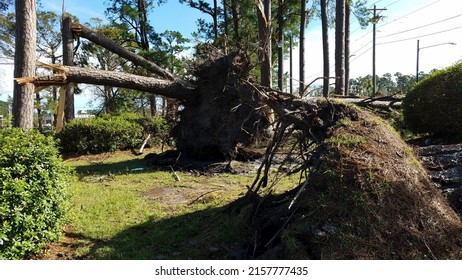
x=215, y=20
x=264, y=31
x=340, y=47
x=167, y=88
x=225, y=18
x=103, y=41
x=281, y=10
x=325, y=48
x=221, y=111
x=38, y=106
x=302, y=46
x=153, y=105
x=68, y=60
x=24, y=63
x=347, y=46
x=54, y=95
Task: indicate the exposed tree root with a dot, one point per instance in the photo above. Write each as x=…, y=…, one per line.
x=360, y=195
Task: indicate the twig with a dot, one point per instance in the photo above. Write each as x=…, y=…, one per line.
x=283, y=226
x=144, y=144
x=201, y=196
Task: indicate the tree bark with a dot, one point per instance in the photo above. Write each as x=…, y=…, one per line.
x=347, y=46
x=302, y=47
x=166, y=88
x=68, y=60
x=340, y=47
x=235, y=13
x=24, y=63
x=110, y=45
x=264, y=30
x=281, y=10
x=325, y=48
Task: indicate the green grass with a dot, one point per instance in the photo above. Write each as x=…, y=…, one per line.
x=118, y=213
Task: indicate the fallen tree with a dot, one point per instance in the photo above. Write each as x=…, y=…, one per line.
x=220, y=110
x=360, y=194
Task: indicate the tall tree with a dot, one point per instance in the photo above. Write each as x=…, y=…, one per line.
x=68, y=60
x=205, y=7
x=112, y=100
x=265, y=50
x=24, y=63
x=281, y=11
x=132, y=15
x=347, y=45
x=49, y=40
x=303, y=19
x=340, y=47
x=7, y=34
x=325, y=48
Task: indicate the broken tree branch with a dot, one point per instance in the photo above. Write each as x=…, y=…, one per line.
x=103, y=41
x=172, y=89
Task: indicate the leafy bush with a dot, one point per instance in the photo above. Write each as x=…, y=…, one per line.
x=434, y=104
x=32, y=192
x=98, y=135
x=158, y=127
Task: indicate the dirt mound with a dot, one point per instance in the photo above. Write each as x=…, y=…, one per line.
x=365, y=197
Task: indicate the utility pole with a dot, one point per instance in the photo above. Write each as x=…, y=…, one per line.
x=375, y=19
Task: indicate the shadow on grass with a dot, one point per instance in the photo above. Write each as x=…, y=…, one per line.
x=214, y=233
x=115, y=168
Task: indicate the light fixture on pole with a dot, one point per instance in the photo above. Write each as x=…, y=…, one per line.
x=426, y=47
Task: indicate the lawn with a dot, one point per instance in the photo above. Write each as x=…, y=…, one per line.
x=121, y=208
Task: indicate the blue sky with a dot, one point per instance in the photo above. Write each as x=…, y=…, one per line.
x=403, y=23
x=169, y=16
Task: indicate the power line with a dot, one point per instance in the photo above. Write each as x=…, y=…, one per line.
x=421, y=36
x=413, y=12
x=372, y=6
x=392, y=3
x=365, y=45
x=419, y=27
x=388, y=22
x=363, y=53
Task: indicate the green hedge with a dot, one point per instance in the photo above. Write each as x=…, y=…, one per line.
x=434, y=104
x=98, y=135
x=33, y=202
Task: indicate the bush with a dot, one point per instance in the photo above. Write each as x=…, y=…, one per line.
x=32, y=192
x=98, y=135
x=434, y=104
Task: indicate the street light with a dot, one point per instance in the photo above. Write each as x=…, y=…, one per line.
x=418, y=52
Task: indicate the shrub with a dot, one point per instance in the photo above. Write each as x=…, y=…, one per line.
x=32, y=192
x=98, y=135
x=433, y=105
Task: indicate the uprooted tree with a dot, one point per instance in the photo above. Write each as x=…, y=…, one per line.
x=220, y=110
x=361, y=193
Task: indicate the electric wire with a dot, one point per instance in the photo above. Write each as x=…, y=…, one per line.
x=421, y=36
x=420, y=27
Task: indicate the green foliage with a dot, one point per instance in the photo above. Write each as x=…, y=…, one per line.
x=433, y=105
x=32, y=187
x=111, y=133
x=7, y=34
x=98, y=135
x=158, y=127
x=4, y=108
